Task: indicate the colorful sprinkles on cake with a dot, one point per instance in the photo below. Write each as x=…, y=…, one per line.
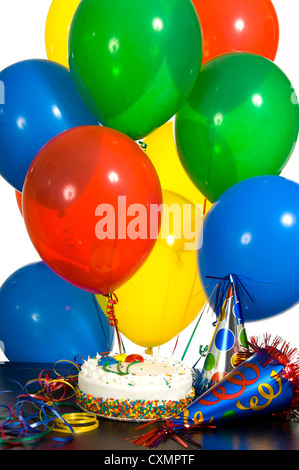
x=133, y=410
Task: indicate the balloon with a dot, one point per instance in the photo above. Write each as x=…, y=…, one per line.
x=80, y=200
x=252, y=231
x=162, y=153
x=41, y=101
x=58, y=24
x=238, y=26
x=165, y=295
x=240, y=121
x=19, y=200
x=134, y=63
x=45, y=319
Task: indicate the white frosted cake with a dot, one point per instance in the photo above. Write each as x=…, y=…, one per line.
x=133, y=387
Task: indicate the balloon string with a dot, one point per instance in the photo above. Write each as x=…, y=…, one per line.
x=97, y=307
x=177, y=340
x=112, y=320
x=186, y=310
x=176, y=343
x=207, y=306
x=204, y=207
x=193, y=333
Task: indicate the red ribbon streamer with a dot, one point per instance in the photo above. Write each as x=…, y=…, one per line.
x=112, y=320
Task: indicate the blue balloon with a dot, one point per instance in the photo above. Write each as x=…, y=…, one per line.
x=45, y=319
x=40, y=101
x=252, y=231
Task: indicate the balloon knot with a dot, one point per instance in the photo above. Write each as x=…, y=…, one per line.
x=143, y=145
x=149, y=351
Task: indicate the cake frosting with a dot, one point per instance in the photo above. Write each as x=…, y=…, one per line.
x=134, y=387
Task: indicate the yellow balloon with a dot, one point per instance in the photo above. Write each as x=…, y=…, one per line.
x=58, y=24
x=161, y=149
x=165, y=295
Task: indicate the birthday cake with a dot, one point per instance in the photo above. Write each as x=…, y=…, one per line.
x=134, y=387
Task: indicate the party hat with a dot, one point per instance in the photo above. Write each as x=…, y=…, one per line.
x=229, y=338
x=265, y=382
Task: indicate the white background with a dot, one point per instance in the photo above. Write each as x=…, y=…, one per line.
x=22, y=26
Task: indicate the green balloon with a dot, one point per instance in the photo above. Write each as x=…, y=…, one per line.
x=241, y=120
x=135, y=62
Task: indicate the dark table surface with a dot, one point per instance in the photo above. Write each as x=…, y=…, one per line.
x=262, y=434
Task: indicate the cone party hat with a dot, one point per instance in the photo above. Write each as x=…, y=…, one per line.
x=229, y=339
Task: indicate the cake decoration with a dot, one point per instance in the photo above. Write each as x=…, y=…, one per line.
x=134, y=358
x=107, y=360
x=149, y=388
x=118, y=371
x=120, y=357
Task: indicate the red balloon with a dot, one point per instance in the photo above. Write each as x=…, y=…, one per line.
x=77, y=206
x=238, y=26
x=19, y=201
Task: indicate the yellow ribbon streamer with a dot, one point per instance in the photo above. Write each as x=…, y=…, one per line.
x=80, y=422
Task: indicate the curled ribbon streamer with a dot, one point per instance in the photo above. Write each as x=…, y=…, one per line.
x=21, y=427
x=51, y=385
x=79, y=422
x=112, y=320
x=18, y=427
x=112, y=301
x=27, y=439
x=70, y=362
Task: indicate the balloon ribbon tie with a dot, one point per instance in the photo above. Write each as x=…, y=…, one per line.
x=112, y=320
